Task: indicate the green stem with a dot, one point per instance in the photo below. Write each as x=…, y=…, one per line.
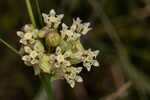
x=45, y=79
x=39, y=12
x=10, y=47
x=28, y=3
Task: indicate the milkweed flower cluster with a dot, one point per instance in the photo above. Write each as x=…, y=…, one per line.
x=56, y=48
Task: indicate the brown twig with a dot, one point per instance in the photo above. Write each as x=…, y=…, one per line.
x=119, y=92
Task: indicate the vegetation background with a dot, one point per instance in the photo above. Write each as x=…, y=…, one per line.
x=120, y=31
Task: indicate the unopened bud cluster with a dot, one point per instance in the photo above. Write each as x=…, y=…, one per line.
x=56, y=48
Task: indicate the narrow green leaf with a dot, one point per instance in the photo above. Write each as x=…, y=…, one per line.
x=10, y=47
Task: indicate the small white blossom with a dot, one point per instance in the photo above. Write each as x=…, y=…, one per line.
x=31, y=41
x=59, y=59
x=71, y=82
x=79, y=25
x=69, y=34
x=33, y=54
x=28, y=37
x=72, y=76
x=89, y=59
x=81, y=28
x=79, y=79
x=27, y=49
x=27, y=28
x=23, y=41
x=52, y=18
x=20, y=34
x=26, y=58
x=86, y=28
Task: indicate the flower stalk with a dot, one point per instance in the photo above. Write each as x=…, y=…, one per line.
x=39, y=12
x=47, y=85
x=29, y=7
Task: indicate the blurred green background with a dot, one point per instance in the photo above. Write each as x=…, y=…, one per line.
x=120, y=31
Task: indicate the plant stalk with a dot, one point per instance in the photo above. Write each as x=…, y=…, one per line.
x=39, y=12
x=45, y=80
x=29, y=7
x=10, y=47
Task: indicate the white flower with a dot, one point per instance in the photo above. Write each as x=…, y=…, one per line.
x=25, y=37
x=95, y=63
x=93, y=53
x=71, y=82
x=63, y=31
x=27, y=28
x=29, y=35
x=52, y=18
x=64, y=26
x=73, y=27
x=52, y=14
x=78, y=24
x=79, y=79
x=20, y=34
x=27, y=49
x=71, y=75
x=86, y=28
x=35, y=33
x=31, y=41
x=69, y=34
x=59, y=59
x=33, y=54
x=23, y=41
x=26, y=58
x=88, y=59
x=30, y=59
x=81, y=28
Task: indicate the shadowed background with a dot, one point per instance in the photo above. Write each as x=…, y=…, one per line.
x=120, y=31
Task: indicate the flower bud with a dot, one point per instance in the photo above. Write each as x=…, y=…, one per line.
x=28, y=28
x=44, y=64
x=43, y=32
x=52, y=39
x=39, y=46
x=65, y=45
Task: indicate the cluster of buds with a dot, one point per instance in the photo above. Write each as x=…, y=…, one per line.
x=56, y=48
